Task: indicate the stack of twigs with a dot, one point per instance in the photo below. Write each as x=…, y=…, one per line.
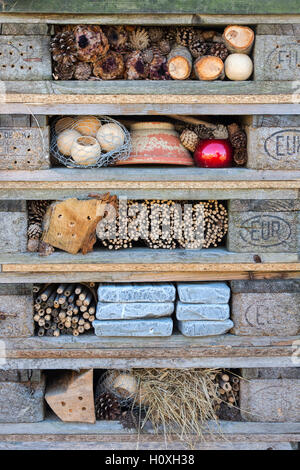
x=229, y=386
x=64, y=308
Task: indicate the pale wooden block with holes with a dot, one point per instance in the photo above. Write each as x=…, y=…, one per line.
x=277, y=57
x=270, y=400
x=24, y=148
x=16, y=311
x=25, y=58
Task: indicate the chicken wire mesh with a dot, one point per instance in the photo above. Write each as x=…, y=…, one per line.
x=121, y=384
x=105, y=158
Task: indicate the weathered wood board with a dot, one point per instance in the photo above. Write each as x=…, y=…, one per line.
x=161, y=6
x=273, y=148
x=25, y=58
x=277, y=58
x=265, y=226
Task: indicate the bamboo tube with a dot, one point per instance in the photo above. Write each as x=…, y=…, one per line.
x=38, y=300
x=75, y=333
x=71, y=299
x=225, y=377
x=41, y=322
x=78, y=303
x=62, y=315
x=36, y=318
x=48, y=310
x=86, y=315
x=82, y=295
x=56, y=333
x=88, y=299
x=78, y=289
x=50, y=301
x=62, y=299
x=36, y=289
x=80, y=329
x=92, y=318
x=60, y=326
x=92, y=310
x=47, y=317
x=68, y=324
x=81, y=321
x=83, y=308
x=56, y=301
x=41, y=332
x=47, y=325
x=87, y=326
x=225, y=386
x=61, y=288
x=69, y=290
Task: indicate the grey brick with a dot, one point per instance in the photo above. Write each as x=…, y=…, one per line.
x=135, y=292
x=203, y=292
x=131, y=311
x=265, y=286
x=16, y=316
x=215, y=312
x=158, y=327
x=204, y=328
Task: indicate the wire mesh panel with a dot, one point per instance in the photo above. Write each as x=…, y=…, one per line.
x=89, y=141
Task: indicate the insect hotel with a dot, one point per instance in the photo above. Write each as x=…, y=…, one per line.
x=150, y=225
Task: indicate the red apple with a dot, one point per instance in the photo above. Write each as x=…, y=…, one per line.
x=214, y=153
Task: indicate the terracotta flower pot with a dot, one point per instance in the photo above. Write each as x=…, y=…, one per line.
x=156, y=143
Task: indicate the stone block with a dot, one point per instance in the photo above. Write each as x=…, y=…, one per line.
x=270, y=400
x=157, y=327
x=266, y=314
x=265, y=286
x=136, y=292
x=132, y=311
x=22, y=402
x=271, y=373
x=276, y=57
x=209, y=312
x=203, y=292
x=204, y=328
x=273, y=148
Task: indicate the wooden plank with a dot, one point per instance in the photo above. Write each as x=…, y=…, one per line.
x=160, y=6
x=149, y=19
x=149, y=109
x=151, y=92
x=149, y=276
x=147, y=259
x=161, y=362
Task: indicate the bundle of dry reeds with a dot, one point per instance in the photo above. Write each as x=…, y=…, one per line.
x=64, y=308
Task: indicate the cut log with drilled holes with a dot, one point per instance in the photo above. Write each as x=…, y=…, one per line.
x=179, y=63
x=70, y=395
x=238, y=38
x=209, y=68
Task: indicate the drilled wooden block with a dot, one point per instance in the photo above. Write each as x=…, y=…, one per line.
x=266, y=314
x=25, y=58
x=273, y=148
x=270, y=400
x=277, y=57
x=16, y=317
x=24, y=148
x=263, y=226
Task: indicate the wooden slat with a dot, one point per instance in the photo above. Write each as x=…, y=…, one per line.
x=17, y=277
x=149, y=19
x=160, y=6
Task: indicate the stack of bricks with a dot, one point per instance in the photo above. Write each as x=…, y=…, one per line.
x=135, y=309
x=202, y=308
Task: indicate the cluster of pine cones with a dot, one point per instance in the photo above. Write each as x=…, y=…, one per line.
x=36, y=212
x=91, y=52
x=191, y=135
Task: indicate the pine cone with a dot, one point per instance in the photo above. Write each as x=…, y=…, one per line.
x=34, y=231
x=136, y=69
x=220, y=132
x=164, y=46
x=147, y=55
x=83, y=71
x=117, y=37
x=156, y=34
x=107, y=407
x=158, y=66
x=91, y=43
x=203, y=132
x=110, y=67
x=219, y=49
x=139, y=39
x=240, y=156
x=198, y=48
x=237, y=136
x=170, y=34
x=63, y=48
x=189, y=139
x=185, y=36
x=63, y=72
x=37, y=210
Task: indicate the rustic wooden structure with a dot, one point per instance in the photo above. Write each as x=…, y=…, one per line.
x=271, y=93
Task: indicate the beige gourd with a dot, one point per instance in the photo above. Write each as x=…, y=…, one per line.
x=87, y=125
x=65, y=141
x=110, y=136
x=238, y=67
x=85, y=150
